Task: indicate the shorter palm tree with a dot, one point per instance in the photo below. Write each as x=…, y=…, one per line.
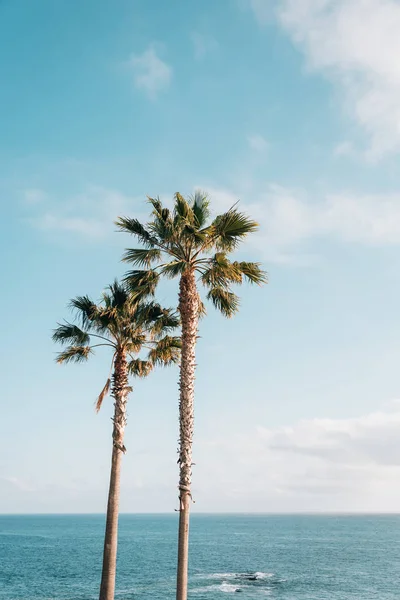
x=128, y=324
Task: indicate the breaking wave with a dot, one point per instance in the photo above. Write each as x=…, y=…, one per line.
x=246, y=582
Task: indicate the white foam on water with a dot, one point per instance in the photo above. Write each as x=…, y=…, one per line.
x=219, y=576
x=228, y=588
x=257, y=575
x=225, y=587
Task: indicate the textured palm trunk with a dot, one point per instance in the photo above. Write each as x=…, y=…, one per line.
x=188, y=307
x=120, y=394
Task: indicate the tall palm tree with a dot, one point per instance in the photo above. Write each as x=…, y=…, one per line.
x=128, y=324
x=186, y=243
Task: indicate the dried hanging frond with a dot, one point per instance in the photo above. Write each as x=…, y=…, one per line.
x=103, y=394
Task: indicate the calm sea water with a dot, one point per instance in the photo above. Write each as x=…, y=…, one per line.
x=282, y=557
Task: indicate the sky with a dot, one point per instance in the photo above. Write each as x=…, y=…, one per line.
x=291, y=107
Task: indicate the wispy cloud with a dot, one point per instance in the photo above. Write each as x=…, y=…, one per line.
x=151, y=74
x=202, y=44
x=34, y=196
x=344, y=148
x=356, y=44
x=263, y=9
x=290, y=220
x=19, y=484
x=313, y=464
x=257, y=142
x=90, y=214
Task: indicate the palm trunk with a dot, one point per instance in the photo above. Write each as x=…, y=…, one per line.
x=188, y=307
x=120, y=393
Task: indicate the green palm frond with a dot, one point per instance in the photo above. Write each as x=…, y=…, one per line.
x=74, y=354
x=157, y=205
x=157, y=319
x=103, y=394
x=182, y=210
x=142, y=257
x=118, y=295
x=173, y=269
x=252, y=272
x=229, y=229
x=70, y=334
x=166, y=352
x=163, y=227
x=86, y=309
x=142, y=280
x=221, y=272
x=224, y=300
x=139, y=368
x=201, y=208
x=134, y=340
x=148, y=312
x=166, y=323
x=134, y=227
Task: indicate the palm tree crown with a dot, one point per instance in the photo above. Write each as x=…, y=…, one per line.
x=185, y=239
x=125, y=322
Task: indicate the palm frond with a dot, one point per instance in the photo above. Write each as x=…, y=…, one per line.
x=173, y=269
x=144, y=281
x=139, y=368
x=74, y=354
x=163, y=227
x=224, y=300
x=252, y=272
x=166, y=323
x=118, y=294
x=155, y=318
x=183, y=212
x=202, y=310
x=156, y=204
x=70, y=334
x=221, y=272
x=166, y=352
x=141, y=257
x=229, y=229
x=134, y=227
x=103, y=394
x=201, y=208
x=85, y=308
x=134, y=339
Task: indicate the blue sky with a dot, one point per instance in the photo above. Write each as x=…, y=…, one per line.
x=290, y=106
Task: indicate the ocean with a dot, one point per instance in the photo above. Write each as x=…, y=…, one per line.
x=55, y=557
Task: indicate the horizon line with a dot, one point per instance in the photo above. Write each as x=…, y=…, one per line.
x=232, y=513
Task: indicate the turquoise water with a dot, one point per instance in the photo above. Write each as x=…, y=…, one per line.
x=281, y=557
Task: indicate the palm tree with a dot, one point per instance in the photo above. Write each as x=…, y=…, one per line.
x=126, y=323
x=185, y=243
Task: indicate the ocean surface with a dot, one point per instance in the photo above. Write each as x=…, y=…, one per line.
x=281, y=557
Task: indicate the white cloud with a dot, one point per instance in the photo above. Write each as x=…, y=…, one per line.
x=290, y=221
x=257, y=142
x=90, y=214
x=263, y=9
x=151, y=73
x=19, y=484
x=356, y=44
x=344, y=148
x=314, y=464
x=202, y=44
x=34, y=196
